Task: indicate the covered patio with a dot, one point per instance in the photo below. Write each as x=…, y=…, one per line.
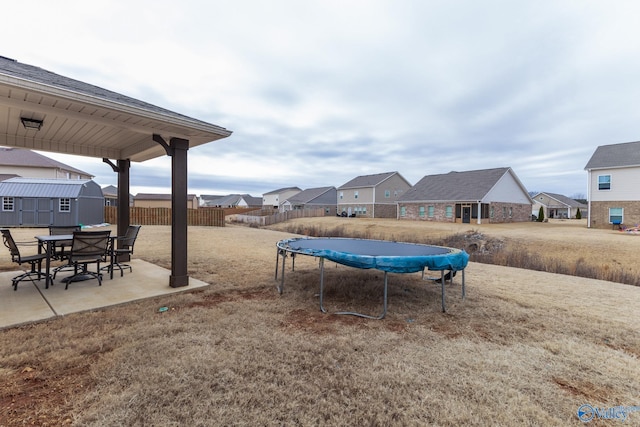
x=41, y=110
x=33, y=303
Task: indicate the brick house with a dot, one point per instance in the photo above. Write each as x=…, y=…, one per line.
x=489, y=195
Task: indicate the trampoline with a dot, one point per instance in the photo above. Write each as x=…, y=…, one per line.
x=386, y=256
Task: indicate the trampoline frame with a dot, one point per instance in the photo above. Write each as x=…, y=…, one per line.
x=282, y=249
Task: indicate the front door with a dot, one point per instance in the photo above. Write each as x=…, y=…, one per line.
x=466, y=214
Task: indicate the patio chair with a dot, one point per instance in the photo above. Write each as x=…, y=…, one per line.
x=88, y=247
x=18, y=258
x=62, y=248
x=125, y=247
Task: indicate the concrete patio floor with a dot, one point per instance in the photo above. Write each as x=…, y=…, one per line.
x=32, y=302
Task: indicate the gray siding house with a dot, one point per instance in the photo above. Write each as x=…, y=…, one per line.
x=32, y=202
x=613, y=192
x=313, y=198
x=489, y=195
x=372, y=196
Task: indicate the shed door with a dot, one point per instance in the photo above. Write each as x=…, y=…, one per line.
x=36, y=212
x=45, y=212
x=28, y=212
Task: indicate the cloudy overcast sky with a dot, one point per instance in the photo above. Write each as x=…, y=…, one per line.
x=319, y=92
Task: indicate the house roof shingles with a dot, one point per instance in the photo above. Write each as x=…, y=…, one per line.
x=308, y=195
x=565, y=200
x=27, y=158
x=367, y=180
x=467, y=186
x=615, y=155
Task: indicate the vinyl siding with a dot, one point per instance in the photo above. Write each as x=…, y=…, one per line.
x=625, y=185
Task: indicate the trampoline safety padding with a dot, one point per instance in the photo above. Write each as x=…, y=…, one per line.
x=386, y=256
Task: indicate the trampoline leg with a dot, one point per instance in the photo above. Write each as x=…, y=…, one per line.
x=464, y=293
x=384, y=309
x=444, y=309
x=277, y=261
x=281, y=287
x=322, y=285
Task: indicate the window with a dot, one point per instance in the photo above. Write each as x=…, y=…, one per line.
x=616, y=215
x=8, y=204
x=510, y=212
x=421, y=211
x=604, y=182
x=504, y=212
x=431, y=211
x=387, y=194
x=491, y=212
x=355, y=194
x=340, y=195
x=64, y=205
x=403, y=211
x=448, y=211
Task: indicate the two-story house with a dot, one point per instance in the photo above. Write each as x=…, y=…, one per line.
x=372, y=196
x=613, y=185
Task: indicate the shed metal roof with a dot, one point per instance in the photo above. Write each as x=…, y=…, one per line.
x=37, y=188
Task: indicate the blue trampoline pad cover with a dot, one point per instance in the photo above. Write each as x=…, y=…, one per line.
x=392, y=257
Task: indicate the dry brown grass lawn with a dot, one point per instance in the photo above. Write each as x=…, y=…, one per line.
x=524, y=348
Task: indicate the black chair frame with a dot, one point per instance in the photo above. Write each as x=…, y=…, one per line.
x=88, y=247
x=62, y=249
x=17, y=257
x=125, y=246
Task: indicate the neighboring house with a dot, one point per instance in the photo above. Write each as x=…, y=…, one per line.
x=29, y=164
x=372, y=196
x=557, y=206
x=313, y=198
x=231, y=201
x=110, y=193
x=37, y=202
x=489, y=195
x=275, y=198
x=149, y=200
x=613, y=193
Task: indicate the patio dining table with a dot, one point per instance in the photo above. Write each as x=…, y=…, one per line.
x=48, y=243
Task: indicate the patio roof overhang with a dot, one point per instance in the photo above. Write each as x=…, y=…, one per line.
x=81, y=119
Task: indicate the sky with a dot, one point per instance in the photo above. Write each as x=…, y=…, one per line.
x=319, y=92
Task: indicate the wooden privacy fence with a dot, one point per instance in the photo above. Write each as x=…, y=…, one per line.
x=260, y=218
x=162, y=216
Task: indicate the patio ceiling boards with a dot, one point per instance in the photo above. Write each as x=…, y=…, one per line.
x=72, y=117
x=86, y=120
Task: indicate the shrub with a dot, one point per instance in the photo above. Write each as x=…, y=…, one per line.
x=540, y=214
x=578, y=214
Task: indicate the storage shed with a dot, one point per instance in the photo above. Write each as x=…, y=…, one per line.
x=33, y=202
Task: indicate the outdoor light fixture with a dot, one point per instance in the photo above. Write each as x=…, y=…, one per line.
x=31, y=123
